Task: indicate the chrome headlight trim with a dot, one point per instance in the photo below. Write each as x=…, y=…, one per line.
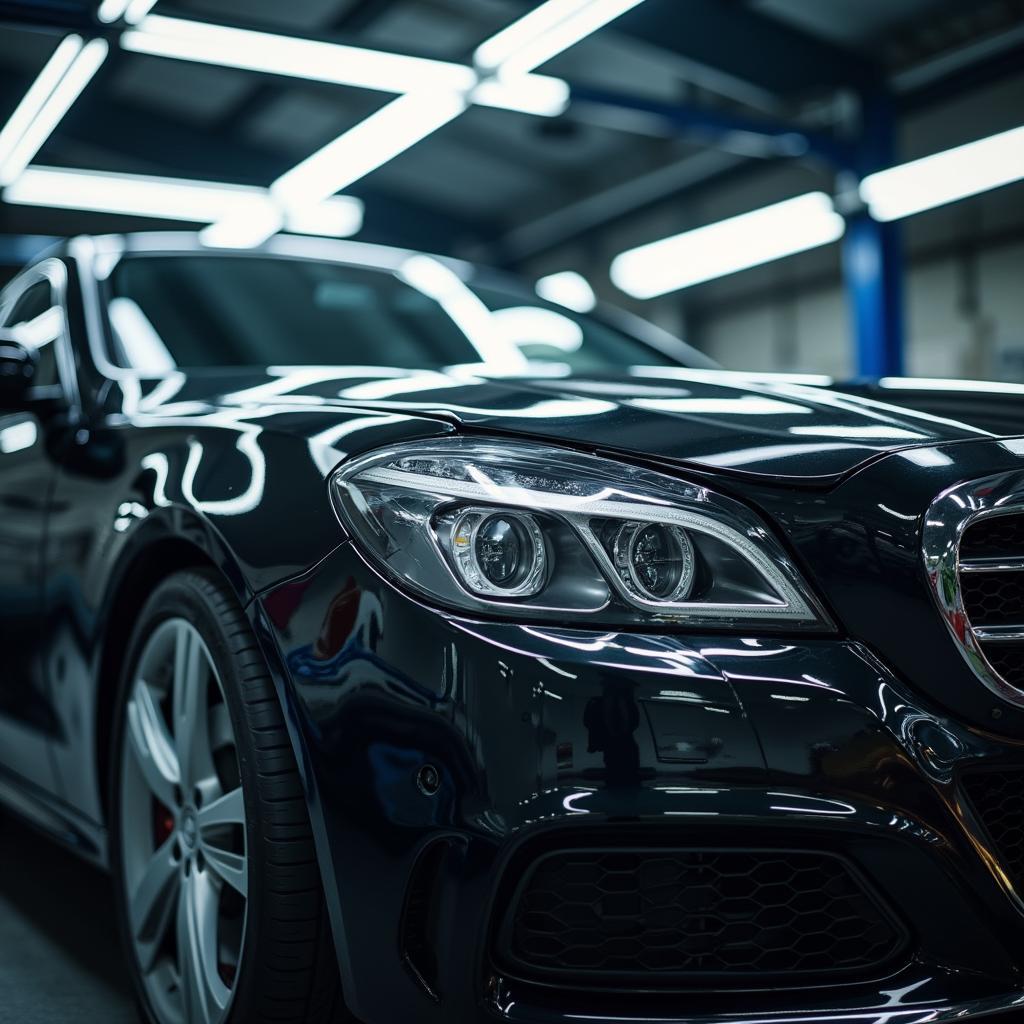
x=948, y=518
x=574, y=489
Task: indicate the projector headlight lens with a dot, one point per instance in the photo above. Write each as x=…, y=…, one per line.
x=532, y=532
x=655, y=562
x=499, y=553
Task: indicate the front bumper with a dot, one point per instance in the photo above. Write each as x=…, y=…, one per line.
x=548, y=736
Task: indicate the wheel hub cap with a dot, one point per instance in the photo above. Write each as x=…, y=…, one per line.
x=188, y=830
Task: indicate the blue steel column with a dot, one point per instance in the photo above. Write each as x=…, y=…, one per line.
x=873, y=256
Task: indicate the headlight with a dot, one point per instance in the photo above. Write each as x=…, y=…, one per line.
x=533, y=532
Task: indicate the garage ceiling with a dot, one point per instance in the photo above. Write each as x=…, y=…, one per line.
x=485, y=180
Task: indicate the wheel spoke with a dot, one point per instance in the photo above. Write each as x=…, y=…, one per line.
x=152, y=746
x=229, y=867
x=152, y=905
x=203, y=992
x=191, y=731
x=186, y=921
x=228, y=809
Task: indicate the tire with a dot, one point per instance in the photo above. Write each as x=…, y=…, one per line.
x=211, y=844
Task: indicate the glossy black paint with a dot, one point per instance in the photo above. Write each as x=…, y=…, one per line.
x=850, y=742
x=542, y=733
x=704, y=420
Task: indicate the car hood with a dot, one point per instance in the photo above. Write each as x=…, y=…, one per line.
x=761, y=425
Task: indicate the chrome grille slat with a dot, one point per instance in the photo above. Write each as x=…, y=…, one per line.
x=973, y=547
x=1000, y=634
x=992, y=564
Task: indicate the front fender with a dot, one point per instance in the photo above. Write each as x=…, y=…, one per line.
x=138, y=497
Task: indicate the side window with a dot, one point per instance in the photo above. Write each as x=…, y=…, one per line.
x=35, y=321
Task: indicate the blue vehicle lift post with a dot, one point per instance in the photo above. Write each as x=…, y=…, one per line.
x=873, y=254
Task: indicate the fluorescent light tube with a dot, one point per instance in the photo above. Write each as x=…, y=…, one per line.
x=110, y=10
x=137, y=10
x=132, y=11
x=38, y=93
x=245, y=230
x=545, y=32
x=76, y=76
x=950, y=384
x=293, y=57
x=132, y=194
x=434, y=93
x=493, y=52
x=372, y=142
x=569, y=289
x=529, y=94
x=320, y=61
x=715, y=250
x=336, y=217
x=203, y=202
x=945, y=177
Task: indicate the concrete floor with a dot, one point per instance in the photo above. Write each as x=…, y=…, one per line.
x=59, y=957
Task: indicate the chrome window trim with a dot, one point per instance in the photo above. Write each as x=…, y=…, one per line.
x=950, y=515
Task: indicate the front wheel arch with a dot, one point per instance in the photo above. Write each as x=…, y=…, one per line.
x=291, y=935
x=140, y=575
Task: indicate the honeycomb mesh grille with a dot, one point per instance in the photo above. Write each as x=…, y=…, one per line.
x=995, y=599
x=687, y=913
x=1008, y=661
x=998, y=801
x=990, y=538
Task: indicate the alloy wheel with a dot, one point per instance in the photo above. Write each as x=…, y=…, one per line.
x=182, y=829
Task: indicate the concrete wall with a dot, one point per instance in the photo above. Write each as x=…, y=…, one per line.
x=964, y=301
x=964, y=318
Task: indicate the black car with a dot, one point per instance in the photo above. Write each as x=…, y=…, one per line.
x=413, y=650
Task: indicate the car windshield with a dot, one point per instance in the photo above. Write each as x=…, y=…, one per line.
x=208, y=311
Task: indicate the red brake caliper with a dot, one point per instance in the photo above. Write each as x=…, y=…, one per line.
x=163, y=823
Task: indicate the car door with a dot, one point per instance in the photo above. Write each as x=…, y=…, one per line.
x=32, y=313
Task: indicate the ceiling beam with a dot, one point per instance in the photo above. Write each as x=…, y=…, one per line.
x=588, y=218
x=730, y=37
x=719, y=128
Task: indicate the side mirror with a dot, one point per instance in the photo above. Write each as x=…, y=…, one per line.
x=17, y=372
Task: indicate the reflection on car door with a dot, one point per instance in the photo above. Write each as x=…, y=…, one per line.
x=27, y=721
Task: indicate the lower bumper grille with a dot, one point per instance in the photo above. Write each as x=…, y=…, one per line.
x=998, y=800
x=657, y=914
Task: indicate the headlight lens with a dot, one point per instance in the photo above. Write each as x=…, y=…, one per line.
x=499, y=553
x=654, y=561
x=529, y=531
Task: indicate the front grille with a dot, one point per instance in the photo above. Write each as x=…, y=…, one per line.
x=973, y=547
x=658, y=914
x=998, y=800
x=991, y=577
x=992, y=537
x=993, y=598
x=1008, y=661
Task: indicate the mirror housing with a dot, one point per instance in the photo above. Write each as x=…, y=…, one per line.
x=17, y=372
